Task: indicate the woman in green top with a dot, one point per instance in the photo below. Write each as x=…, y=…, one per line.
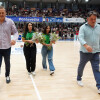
x=29, y=48
x=47, y=52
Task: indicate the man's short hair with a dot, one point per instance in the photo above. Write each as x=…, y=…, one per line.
x=92, y=13
x=1, y=7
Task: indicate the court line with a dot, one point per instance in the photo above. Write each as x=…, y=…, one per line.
x=34, y=85
x=37, y=92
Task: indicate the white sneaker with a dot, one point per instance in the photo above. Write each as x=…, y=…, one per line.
x=8, y=79
x=80, y=83
x=51, y=72
x=33, y=73
x=99, y=91
x=44, y=69
x=29, y=73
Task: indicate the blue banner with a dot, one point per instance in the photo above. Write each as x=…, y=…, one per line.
x=26, y=19
x=73, y=20
x=53, y=19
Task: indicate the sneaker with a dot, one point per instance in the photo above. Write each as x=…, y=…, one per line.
x=80, y=83
x=51, y=72
x=29, y=73
x=99, y=91
x=44, y=69
x=8, y=79
x=33, y=73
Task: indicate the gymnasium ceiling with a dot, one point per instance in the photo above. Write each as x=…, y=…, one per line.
x=61, y=1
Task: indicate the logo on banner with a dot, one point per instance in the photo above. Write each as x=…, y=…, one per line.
x=29, y=19
x=54, y=19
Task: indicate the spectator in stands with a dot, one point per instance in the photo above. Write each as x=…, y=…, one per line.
x=7, y=27
x=47, y=52
x=29, y=48
x=89, y=37
x=76, y=35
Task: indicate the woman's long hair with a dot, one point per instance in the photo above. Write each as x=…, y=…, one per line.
x=45, y=30
x=26, y=28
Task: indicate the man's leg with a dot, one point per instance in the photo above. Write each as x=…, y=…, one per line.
x=7, y=53
x=96, y=69
x=0, y=59
x=84, y=58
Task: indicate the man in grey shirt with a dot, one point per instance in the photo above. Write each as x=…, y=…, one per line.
x=89, y=38
x=7, y=27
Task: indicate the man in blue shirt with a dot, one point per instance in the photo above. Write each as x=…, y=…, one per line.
x=89, y=38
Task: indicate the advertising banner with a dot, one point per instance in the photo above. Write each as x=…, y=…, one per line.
x=73, y=20
x=26, y=19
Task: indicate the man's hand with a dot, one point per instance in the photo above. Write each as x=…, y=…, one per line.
x=13, y=42
x=88, y=48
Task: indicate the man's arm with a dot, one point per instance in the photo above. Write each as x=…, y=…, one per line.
x=14, y=32
x=82, y=40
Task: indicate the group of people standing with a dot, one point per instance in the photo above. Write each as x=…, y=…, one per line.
x=8, y=28
x=30, y=49
x=89, y=38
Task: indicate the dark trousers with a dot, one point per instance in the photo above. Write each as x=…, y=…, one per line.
x=94, y=60
x=30, y=56
x=6, y=54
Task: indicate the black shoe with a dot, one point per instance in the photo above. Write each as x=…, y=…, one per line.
x=8, y=80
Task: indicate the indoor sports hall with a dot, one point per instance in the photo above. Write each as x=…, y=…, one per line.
x=65, y=18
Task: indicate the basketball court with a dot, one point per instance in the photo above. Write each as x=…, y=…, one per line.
x=61, y=86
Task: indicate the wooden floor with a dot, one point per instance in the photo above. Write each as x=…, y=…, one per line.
x=61, y=86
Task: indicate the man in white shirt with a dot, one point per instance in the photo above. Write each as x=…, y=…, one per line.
x=7, y=28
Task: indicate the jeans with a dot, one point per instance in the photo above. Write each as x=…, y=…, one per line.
x=45, y=52
x=94, y=60
x=6, y=54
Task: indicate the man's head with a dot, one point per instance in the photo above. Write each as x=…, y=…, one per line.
x=2, y=14
x=92, y=15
